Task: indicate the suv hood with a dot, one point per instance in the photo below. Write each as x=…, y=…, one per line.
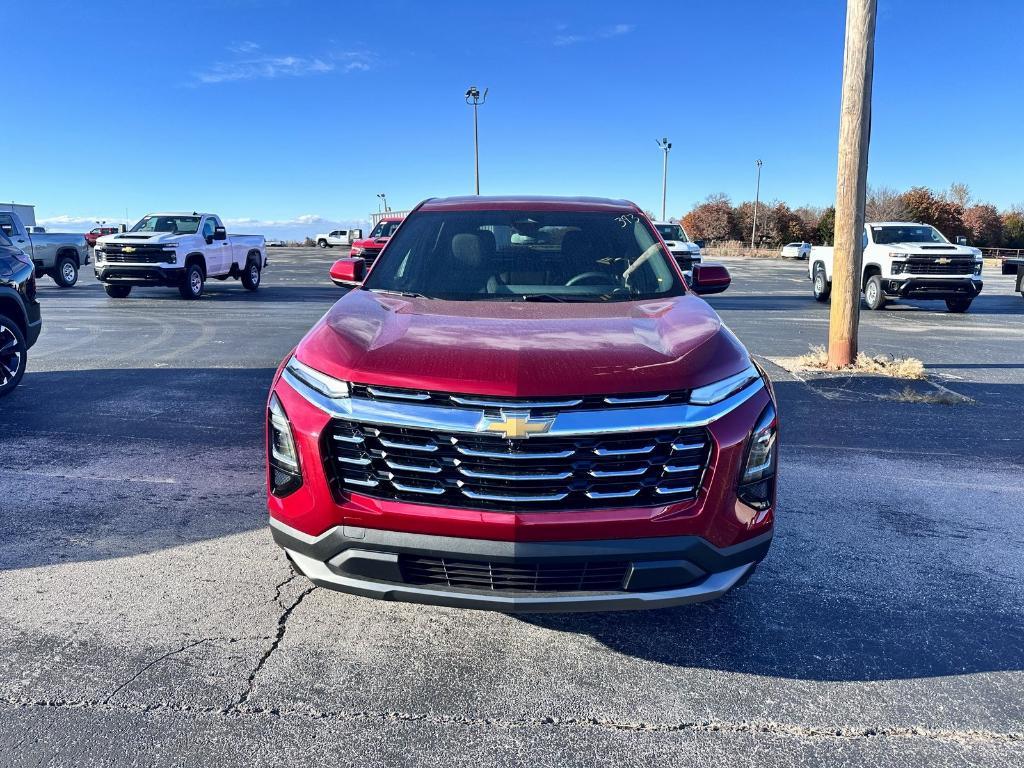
x=679, y=245
x=523, y=348
x=149, y=238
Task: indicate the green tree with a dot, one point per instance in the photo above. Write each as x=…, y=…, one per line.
x=825, y=232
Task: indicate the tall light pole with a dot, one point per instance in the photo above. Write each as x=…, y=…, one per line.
x=382, y=200
x=474, y=99
x=757, y=200
x=665, y=145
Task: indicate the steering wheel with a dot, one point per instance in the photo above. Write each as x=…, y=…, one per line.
x=601, y=278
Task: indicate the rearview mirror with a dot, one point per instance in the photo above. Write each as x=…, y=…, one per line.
x=706, y=279
x=219, y=233
x=348, y=272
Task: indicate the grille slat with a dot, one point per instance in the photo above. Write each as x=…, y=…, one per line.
x=536, y=405
x=596, y=576
x=539, y=474
x=954, y=267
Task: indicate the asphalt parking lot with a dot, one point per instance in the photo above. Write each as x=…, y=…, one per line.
x=148, y=619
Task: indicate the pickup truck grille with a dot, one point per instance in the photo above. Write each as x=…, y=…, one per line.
x=536, y=405
x=481, y=471
x=141, y=254
x=930, y=267
x=596, y=576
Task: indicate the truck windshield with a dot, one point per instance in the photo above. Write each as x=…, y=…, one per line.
x=384, y=229
x=672, y=232
x=525, y=256
x=176, y=225
x=914, y=233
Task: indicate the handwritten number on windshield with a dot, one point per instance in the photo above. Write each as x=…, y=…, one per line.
x=626, y=219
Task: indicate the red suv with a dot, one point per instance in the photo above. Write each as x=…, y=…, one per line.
x=523, y=407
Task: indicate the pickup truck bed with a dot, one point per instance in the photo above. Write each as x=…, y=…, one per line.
x=57, y=255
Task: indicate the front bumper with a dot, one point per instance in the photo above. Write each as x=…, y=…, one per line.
x=139, y=274
x=933, y=288
x=661, y=572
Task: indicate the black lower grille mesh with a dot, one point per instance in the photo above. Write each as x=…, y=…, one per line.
x=593, y=576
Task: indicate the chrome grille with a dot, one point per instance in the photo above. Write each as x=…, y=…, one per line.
x=593, y=576
x=483, y=471
x=929, y=267
x=536, y=405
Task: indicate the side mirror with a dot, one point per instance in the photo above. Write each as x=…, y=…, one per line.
x=219, y=233
x=707, y=279
x=961, y=240
x=348, y=272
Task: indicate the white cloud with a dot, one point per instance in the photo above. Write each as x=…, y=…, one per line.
x=295, y=228
x=602, y=34
x=268, y=67
x=75, y=223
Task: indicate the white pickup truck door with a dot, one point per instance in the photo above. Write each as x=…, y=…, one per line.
x=218, y=252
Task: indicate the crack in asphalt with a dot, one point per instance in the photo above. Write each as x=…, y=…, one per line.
x=282, y=627
x=750, y=727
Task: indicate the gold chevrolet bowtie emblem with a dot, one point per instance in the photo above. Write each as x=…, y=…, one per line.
x=942, y=261
x=128, y=249
x=514, y=426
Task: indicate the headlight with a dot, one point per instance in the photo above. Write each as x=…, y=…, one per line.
x=898, y=267
x=169, y=246
x=715, y=393
x=756, y=486
x=318, y=382
x=282, y=455
x=356, y=252
x=897, y=255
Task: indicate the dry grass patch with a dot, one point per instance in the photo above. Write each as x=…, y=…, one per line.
x=935, y=397
x=879, y=365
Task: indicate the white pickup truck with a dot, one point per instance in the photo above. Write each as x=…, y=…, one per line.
x=338, y=237
x=906, y=260
x=683, y=249
x=58, y=255
x=181, y=250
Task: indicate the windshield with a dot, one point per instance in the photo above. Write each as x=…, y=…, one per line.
x=384, y=229
x=912, y=233
x=525, y=256
x=672, y=232
x=177, y=225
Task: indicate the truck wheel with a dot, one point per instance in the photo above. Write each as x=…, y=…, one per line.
x=322, y=243
x=117, y=291
x=65, y=274
x=820, y=285
x=192, y=286
x=13, y=355
x=958, y=305
x=251, y=276
x=874, y=296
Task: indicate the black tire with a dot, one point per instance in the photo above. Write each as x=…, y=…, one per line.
x=958, y=305
x=13, y=355
x=117, y=291
x=874, y=296
x=820, y=285
x=192, y=285
x=65, y=274
x=251, y=275
x=322, y=243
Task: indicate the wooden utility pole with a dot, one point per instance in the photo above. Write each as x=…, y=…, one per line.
x=851, y=181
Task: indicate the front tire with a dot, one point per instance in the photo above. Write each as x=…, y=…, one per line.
x=13, y=355
x=117, y=291
x=821, y=287
x=192, y=286
x=874, y=296
x=958, y=305
x=65, y=274
x=251, y=276
x=322, y=243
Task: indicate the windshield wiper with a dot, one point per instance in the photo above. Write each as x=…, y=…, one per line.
x=408, y=294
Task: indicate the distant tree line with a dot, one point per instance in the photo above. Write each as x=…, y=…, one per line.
x=950, y=211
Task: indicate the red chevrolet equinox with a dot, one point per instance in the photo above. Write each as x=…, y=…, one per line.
x=523, y=406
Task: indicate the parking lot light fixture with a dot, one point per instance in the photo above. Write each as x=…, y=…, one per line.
x=475, y=99
x=665, y=145
x=757, y=201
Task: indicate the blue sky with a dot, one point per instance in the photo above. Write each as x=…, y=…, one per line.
x=287, y=116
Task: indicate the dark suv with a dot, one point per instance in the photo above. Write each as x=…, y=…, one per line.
x=20, y=320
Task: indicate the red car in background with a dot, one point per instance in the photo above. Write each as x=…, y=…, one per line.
x=370, y=247
x=96, y=233
x=524, y=407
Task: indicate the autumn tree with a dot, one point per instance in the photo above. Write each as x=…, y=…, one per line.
x=711, y=221
x=924, y=206
x=884, y=204
x=984, y=226
x=1013, y=227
